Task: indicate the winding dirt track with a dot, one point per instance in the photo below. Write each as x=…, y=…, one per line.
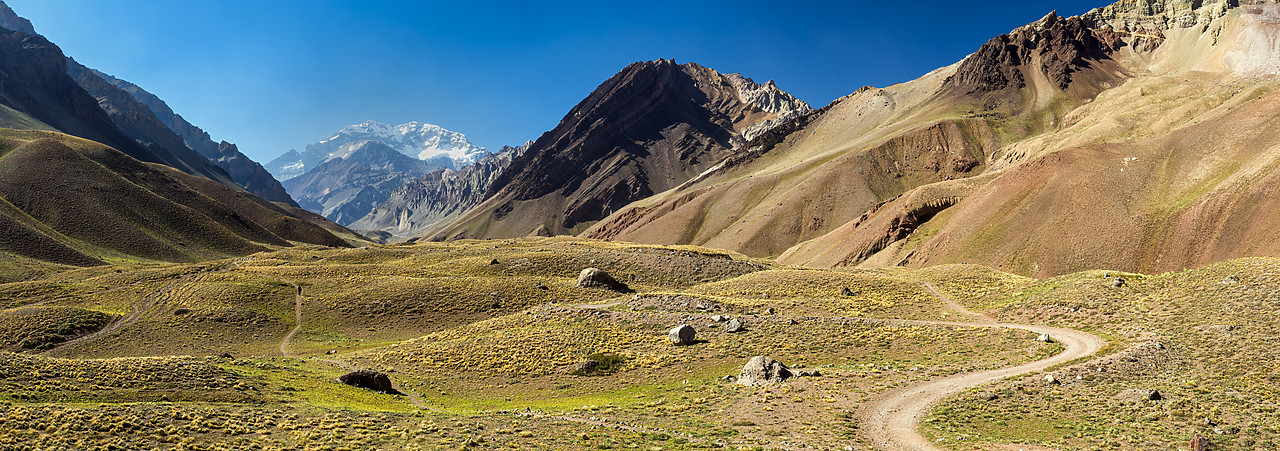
x=892, y=419
x=285, y=348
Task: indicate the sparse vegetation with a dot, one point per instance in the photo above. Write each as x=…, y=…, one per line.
x=492, y=351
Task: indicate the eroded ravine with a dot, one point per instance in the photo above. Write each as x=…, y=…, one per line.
x=892, y=420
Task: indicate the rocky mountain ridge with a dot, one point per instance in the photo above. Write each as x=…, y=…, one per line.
x=346, y=188
x=426, y=201
x=243, y=170
x=649, y=128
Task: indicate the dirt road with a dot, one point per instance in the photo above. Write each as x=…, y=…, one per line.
x=892, y=419
x=286, y=349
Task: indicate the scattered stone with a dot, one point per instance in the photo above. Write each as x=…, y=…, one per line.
x=719, y=318
x=540, y=286
x=733, y=326
x=1044, y=338
x=1051, y=380
x=494, y=262
x=1140, y=395
x=769, y=311
x=371, y=380
x=846, y=292
x=987, y=396
x=682, y=335
x=584, y=366
x=595, y=278
x=226, y=355
x=1199, y=443
x=808, y=373
x=1231, y=279
x=792, y=321
x=761, y=370
x=1118, y=282
x=330, y=352
x=730, y=378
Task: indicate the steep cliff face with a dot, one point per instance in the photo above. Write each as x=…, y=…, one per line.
x=647, y=129
x=243, y=171
x=439, y=196
x=1045, y=56
x=34, y=83
x=137, y=121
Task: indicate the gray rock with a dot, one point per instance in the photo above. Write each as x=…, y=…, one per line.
x=733, y=326
x=719, y=318
x=595, y=278
x=808, y=373
x=1051, y=380
x=1044, y=338
x=1140, y=395
x=846, y=292
x=682, y=335
x=987, y=396
x=769, y=311
x=761, y=370
x=1118, y=282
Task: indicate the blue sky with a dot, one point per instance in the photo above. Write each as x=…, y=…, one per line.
x=278, y=74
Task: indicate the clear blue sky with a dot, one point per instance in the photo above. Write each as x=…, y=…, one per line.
x=271, y=75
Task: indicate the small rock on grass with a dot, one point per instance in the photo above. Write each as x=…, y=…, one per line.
x=372, y=380
x=595, y=278
x=682, y=335
x=733, y=326
x=761, y=370
x=987, y=396
x=1044, y=338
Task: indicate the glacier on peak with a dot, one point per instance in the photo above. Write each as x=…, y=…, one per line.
x=426, y=142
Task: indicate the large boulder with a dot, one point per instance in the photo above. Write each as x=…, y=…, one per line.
x=682, y=335
x=761, y=370
x=371, y=380
x=595, y=278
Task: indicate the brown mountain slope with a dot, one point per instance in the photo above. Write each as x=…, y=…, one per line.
x=1201, y=194
x=884, y=176
x=647, y=129
x=99, y=202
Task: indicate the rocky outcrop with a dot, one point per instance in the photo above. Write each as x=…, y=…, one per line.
x=243, y=171
x=426, y=201
x=1054, y=46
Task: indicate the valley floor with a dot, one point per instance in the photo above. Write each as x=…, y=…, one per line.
x=486, y=339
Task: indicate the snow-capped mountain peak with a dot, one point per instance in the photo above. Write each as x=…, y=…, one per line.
x=430, y=143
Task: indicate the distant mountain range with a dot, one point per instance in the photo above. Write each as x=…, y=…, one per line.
x=429, y=143
x=345, y=176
